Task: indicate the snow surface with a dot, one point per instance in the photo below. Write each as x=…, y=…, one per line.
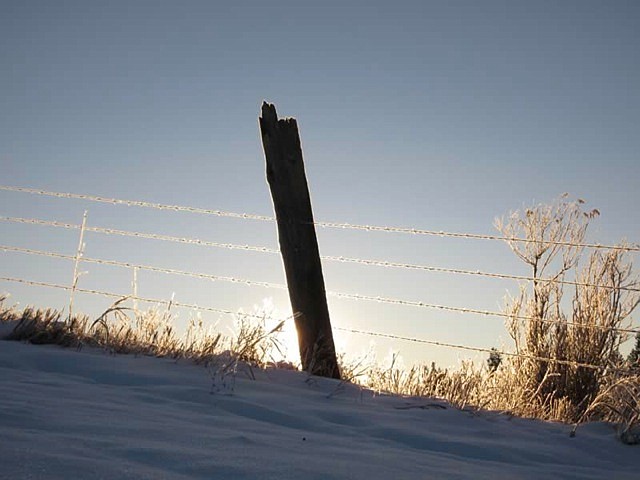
x=66, y=414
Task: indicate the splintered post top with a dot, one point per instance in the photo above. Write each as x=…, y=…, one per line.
x=269, y=112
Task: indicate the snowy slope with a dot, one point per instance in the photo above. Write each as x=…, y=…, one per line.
x=67, y=414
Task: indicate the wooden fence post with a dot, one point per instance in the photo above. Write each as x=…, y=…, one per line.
x=298, y=242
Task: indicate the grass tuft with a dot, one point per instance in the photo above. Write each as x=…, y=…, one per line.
x=124, y=330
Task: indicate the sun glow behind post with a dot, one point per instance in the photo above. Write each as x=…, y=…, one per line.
x=287, y=338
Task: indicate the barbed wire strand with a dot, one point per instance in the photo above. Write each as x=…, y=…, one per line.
x=260, y=249
x=349, y=330
x=473, y=236
x=151, y=268
x=343, y=295
x=137, y=203
x=336, y=225
x=468, y=348
x=413, y=303
x=148, y=236
x=101, y=293
x=457, y=271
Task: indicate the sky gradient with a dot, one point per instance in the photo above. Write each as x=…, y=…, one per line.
x=433, y=115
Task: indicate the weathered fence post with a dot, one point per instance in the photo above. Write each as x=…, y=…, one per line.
x=298, y=242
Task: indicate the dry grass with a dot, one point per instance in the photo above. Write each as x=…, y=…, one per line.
x=585, y=330
x=504, y=390
x=122, y=330
x=619, y=403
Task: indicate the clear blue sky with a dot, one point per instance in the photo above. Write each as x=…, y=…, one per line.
x=435, y=115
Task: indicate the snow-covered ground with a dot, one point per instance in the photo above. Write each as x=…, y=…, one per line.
x=73, y=415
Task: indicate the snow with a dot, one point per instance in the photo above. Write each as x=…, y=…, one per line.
x=88, y=414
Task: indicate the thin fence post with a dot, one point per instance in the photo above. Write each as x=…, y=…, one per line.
x=79, y=253
x=298, y=242
x=134, y=290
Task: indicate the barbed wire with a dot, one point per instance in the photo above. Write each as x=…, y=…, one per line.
x=419, y=304
x=101, y=293
x=474, y=236
x=343, y=295
x=138, y=203
x=351, y=296
x=148, y=236
x=344, y=329
x=468, y=348
x=457, y=271
x=336, y=225
x=261, y=249
x=151, y=268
